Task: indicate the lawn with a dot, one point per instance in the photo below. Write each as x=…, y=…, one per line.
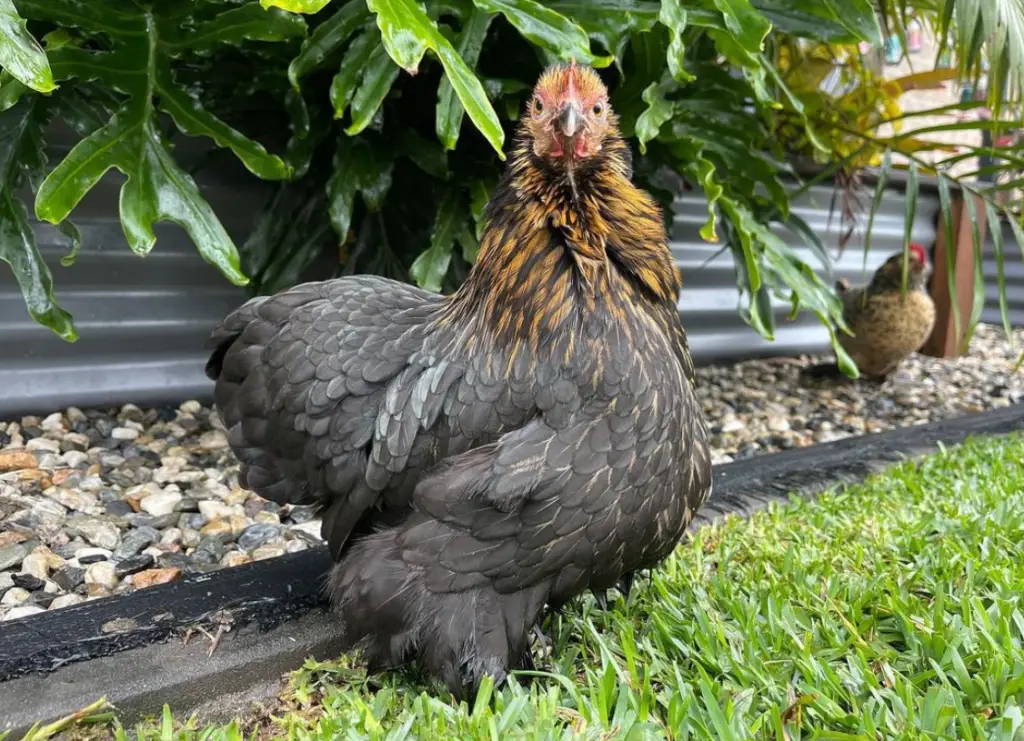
x=890, y=610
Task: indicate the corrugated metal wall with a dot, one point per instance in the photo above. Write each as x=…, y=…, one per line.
x=709, y=299
x=1013, y=269
x=142, y=322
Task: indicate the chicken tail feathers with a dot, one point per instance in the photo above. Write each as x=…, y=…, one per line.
x=388, y=611
x=225, y=335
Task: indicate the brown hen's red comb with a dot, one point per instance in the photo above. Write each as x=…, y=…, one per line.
x=918, y=251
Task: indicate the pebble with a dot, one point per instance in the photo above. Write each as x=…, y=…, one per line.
x=133, y=565
x=155, y=576
x=101, y=574
x=101, y=533
x=135, y=541
x=43, y=444
x=235, y=558
x=66, y=600
x=164, y=503
x=22, y=611
x=86, y=556
x=213, y=510
x=123, y=493
x=256, y=535
x=13, y=555
x=28, y=581
x=15, y=596
x=16, y=460
x=69, y=578
x=77, y=500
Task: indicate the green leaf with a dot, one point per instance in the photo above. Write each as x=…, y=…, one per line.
x=876, y=201
x=979, y=277
x=327, y=40
x=427, y=155
x=831, y=21
x=379, y=75
x=611, y=22
x=359, y=168
x=20, y=54
x=22, y=150
x=431, y=266
x=745, y=228
x=745, y=24
x=134, y=50
x=480, y=196
x=673, y=16
x=909, y=213
x=705, y=174
x=859, y=17
x=407, y=32
x=289, y=235
x=296, y=6
x=156, y=189
x=658, y=111
x=946, y=212
x=450, y=110
x=995, y=227
x=11, y=90
x=247, y=22
x=812, y=240
x=353, y=68
x=547, y=29
x=192, y=119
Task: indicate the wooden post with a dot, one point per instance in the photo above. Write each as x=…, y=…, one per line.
x=944, y=341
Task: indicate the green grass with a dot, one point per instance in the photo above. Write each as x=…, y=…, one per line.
x=890, y=610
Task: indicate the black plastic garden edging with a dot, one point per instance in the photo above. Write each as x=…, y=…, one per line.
x=275, y=609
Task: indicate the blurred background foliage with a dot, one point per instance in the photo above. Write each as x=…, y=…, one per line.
x=382, y=123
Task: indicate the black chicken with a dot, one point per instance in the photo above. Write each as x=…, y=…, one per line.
x=480, y=455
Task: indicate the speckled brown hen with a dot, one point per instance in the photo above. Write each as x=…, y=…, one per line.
x=888, y=325
x=478, y=456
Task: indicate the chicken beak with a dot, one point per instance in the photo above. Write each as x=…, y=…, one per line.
x=569, y=119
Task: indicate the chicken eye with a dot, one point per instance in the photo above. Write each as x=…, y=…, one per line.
x=538, y=107
x=598, y=109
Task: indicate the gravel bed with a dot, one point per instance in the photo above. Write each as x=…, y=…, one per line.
x=103, y=502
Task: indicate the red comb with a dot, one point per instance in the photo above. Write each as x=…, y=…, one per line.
x=571, y=81
x=918, y=252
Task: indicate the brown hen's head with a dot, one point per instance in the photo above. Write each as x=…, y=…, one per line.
x=568, y=116
x=890, y=274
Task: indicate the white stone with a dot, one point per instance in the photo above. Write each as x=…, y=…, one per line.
x=101, y=574
x=733, y=424
x=15, y=596
x=160, y=504
x=23, y=611
x=43, y=444
x=100, y=533
x=213, y=440
x=86, y=552
x=75, y=458
x=53, y=423
x=36, y=565
x=311, y=528
x=124, y=433
x=212, y=510
x=66, y=601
